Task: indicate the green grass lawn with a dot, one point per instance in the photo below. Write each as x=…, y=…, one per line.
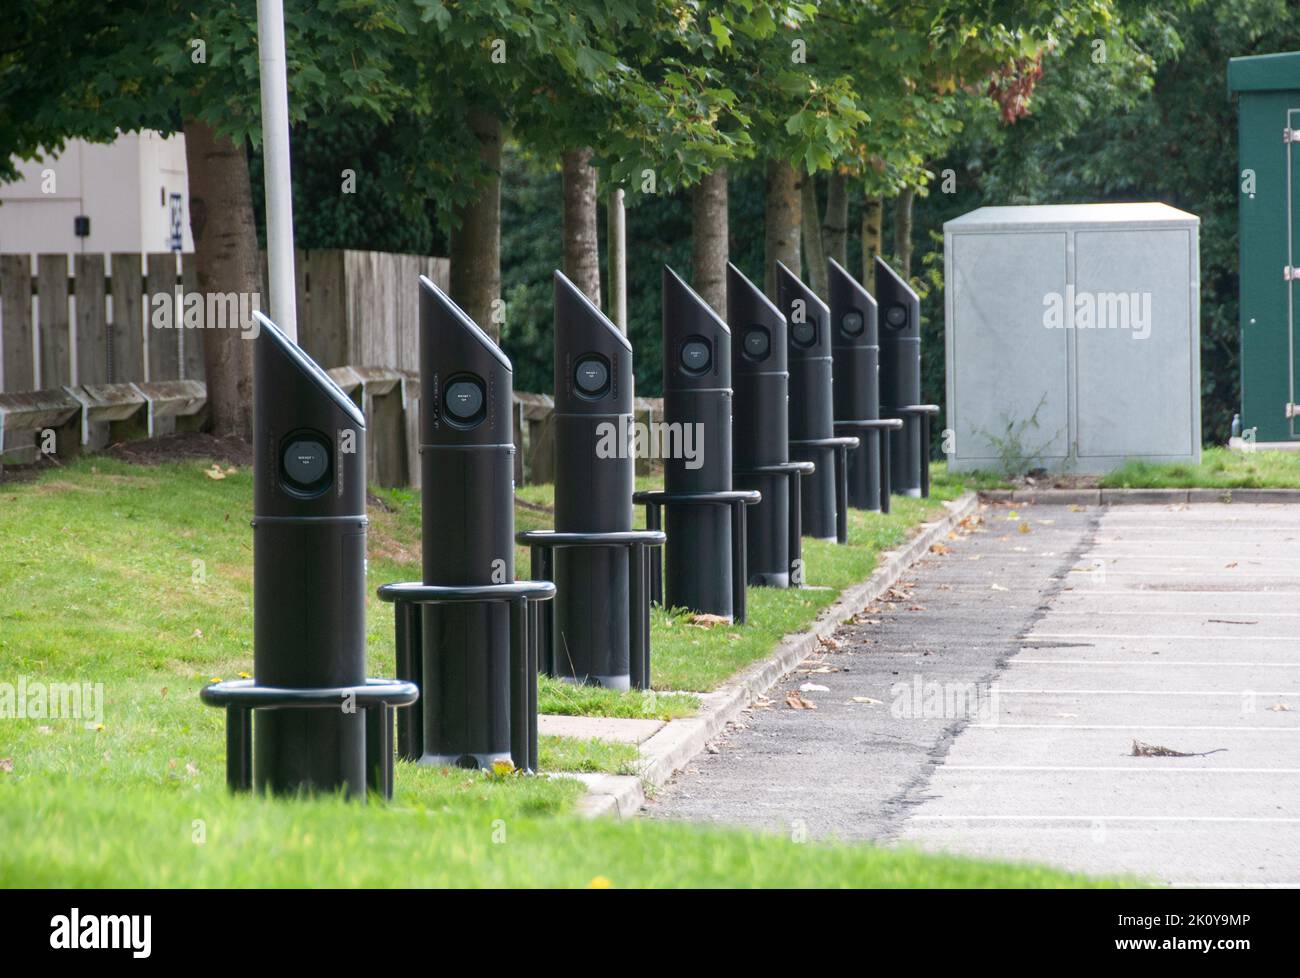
x=139, y=578
x=1220, y=468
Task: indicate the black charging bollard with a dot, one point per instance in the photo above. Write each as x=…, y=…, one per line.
x=761, y=434
x=900, y=380
x=811, y=405
x=465, y=634
x=320, y=724
x=594, y=480
x=467, y=506
x=856, y=354
x=698, y=559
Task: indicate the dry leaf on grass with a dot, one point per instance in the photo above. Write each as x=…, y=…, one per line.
x=796, y=701
x=708, y=621
x=6, y=764
x=214, y=472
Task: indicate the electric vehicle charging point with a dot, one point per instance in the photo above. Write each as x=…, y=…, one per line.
x=600, y=630
x=309, y=719
x=761, y=435
x=856, y=357
x=704, y=560
x=468, y=634
x=812, y=420
x=900, y=382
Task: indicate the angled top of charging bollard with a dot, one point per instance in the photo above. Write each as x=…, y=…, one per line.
x=466, y=380
x=309, y=437
x=853, y=310
x=593, y=360
x=697, y=343
x=758, y=325
x=808, y=316
x=900, y=309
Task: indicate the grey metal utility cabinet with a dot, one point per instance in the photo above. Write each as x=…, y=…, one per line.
x=1073, y=337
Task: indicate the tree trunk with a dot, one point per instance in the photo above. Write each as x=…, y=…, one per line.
x=872, y=215
x=812, y=235
x=616, y=235
x=835, y=225
x=475, y=275
x=903, y=233
x=781, y=222
x=581, y=243
x=226, y=260
x=710, y=243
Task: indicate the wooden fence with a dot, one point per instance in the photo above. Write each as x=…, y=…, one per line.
x=81, y=361
x=89, y=320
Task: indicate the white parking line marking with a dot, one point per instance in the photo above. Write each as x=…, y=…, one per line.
x=1149, y=769
x=1145, y=692
x=1255, y=820
x=1017, y=661
x=1177, y=638
x=1091, y=613
x=1123, y=726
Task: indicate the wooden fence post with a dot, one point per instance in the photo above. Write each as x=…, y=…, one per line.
x=92, y=320
x=16, y=319
x=128, y=318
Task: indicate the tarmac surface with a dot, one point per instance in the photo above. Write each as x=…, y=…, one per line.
x=1113, y=690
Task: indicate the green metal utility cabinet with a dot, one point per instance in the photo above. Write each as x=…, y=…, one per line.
x=1267, y=88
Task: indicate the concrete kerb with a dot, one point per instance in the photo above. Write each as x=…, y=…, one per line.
x=678, y=741
x=1122, y=497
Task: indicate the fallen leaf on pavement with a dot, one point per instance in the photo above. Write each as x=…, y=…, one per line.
x=814, y=688
x=939, y=548
x=867, y=700
x=1154, y=750
x=997, y=587
x=1279, y=708
x=796, y=702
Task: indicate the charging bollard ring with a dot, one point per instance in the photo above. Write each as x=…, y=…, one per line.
x=522, y=597
x=840, y=445
x=920, y=414
x=736, y=500
x=378, y=697
x=795, y=473
x=886, y=427
x=543, y=544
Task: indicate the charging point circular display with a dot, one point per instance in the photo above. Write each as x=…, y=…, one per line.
x=591, y=376
x=305, y=464
x=852, y=323
x=757, y=343
x=464, y=401
x=896, y=316
x=696, y=356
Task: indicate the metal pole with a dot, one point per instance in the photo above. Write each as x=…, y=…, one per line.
x=617, y=259
x=275, y=161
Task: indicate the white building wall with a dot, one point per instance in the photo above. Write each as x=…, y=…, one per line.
x=126, y=188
